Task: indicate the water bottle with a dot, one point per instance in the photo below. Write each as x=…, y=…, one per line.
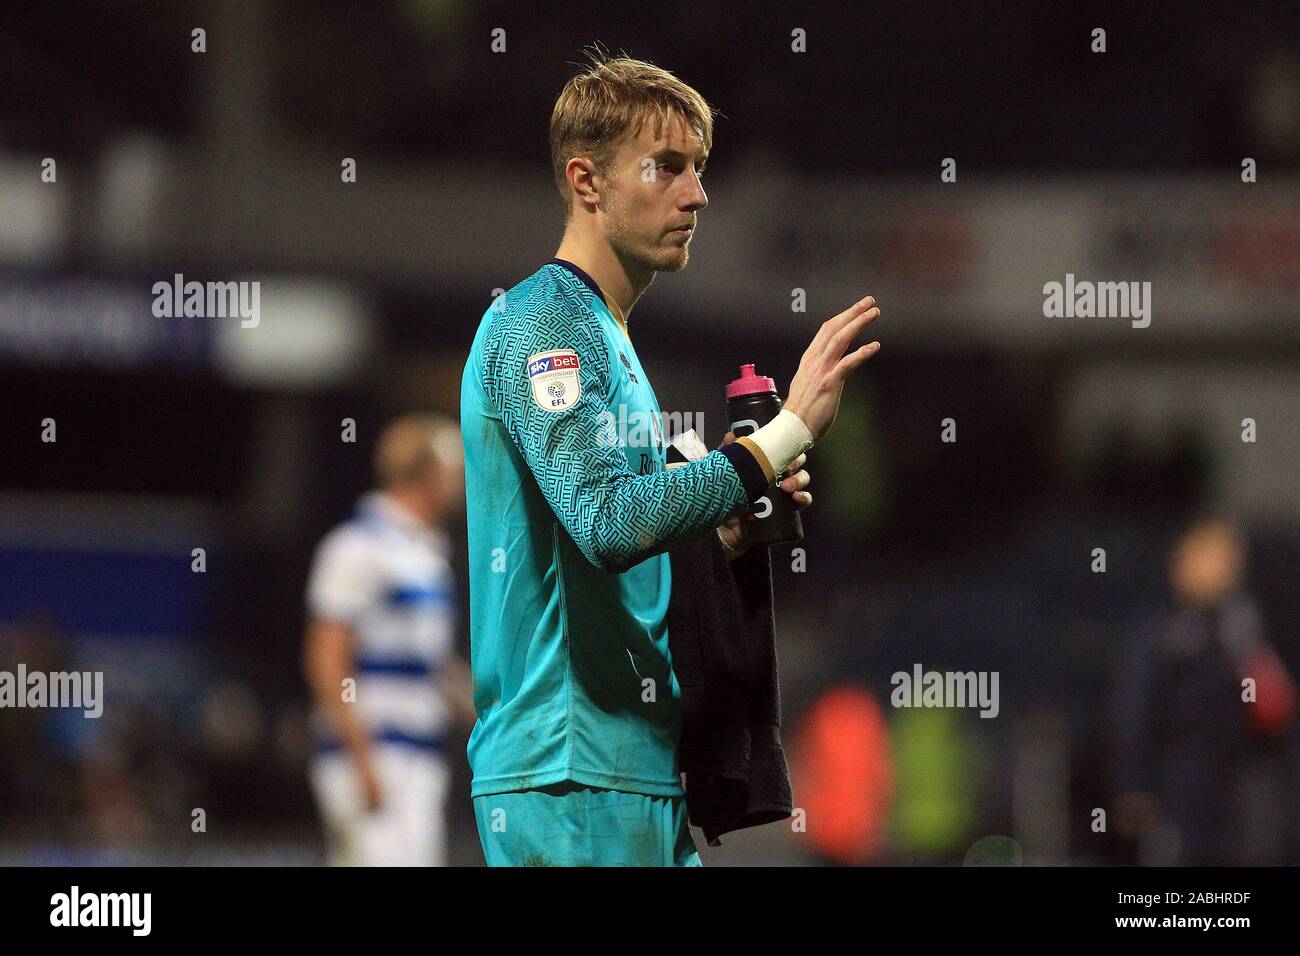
x=752, y=401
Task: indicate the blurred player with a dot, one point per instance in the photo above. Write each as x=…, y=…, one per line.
x=1183, y=732
x=382, y=613
x=579, y=713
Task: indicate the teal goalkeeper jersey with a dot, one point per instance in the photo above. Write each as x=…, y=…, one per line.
x=571, y=510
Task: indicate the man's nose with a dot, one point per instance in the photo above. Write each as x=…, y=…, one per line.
x=695, y=198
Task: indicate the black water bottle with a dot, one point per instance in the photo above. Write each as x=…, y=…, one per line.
x=752, y=401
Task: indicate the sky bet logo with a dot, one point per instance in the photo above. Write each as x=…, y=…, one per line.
x=552, y=363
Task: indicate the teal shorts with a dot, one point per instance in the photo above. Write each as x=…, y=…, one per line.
x=571, y=825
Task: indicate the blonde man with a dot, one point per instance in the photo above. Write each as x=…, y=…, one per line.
x=380, y=656
x=579, y=713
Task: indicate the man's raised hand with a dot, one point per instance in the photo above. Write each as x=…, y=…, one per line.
x=819, y=382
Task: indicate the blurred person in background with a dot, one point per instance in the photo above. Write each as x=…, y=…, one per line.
x=43, y=751
x=77, y=789
x=843, y=774
x=380, y=655
x=1184, y=726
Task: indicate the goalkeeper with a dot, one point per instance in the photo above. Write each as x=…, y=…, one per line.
x=574, y=753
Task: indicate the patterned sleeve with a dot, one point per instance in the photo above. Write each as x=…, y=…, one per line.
x=550, y=381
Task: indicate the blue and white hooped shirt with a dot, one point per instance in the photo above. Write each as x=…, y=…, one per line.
x=388, y=576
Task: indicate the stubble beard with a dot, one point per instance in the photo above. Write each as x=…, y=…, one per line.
x=653, y=255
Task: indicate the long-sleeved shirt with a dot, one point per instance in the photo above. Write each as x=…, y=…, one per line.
x=571, y=510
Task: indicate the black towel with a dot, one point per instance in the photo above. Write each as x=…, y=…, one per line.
x=722, y=636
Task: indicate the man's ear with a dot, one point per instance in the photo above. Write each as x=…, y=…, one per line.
x=582, y=175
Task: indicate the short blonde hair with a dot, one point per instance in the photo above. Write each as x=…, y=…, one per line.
x=611, y=100
x=412, y=444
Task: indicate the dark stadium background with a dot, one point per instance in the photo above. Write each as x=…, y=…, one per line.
x=973, y=555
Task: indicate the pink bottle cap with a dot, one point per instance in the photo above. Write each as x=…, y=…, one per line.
x=749, y=383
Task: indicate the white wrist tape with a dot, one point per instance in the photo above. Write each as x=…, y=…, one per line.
x=783, y=439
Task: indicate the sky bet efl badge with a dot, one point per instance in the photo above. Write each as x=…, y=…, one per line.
x=555, y=379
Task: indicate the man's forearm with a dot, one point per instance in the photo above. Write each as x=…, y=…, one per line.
x=633, y=518
x=327, y=689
